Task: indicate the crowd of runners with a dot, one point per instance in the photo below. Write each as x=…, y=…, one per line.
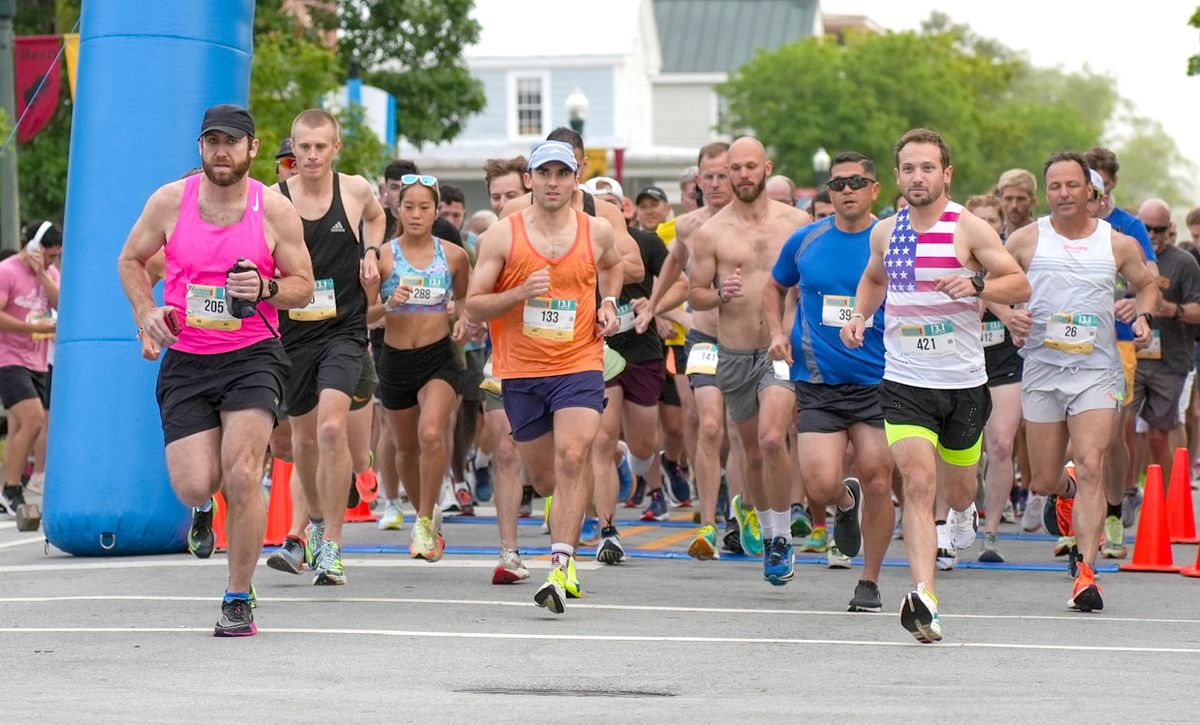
x=819, y=379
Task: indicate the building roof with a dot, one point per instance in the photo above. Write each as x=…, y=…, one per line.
x=718, y=36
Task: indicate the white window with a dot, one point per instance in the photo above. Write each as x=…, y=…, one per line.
x=529, y=115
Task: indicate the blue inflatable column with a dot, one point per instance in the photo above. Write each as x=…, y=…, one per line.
x=147, y=70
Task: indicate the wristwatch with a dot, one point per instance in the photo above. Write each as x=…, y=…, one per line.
x=272, y=289
x=977, y=282
x=613, y=300
x=1149, y=318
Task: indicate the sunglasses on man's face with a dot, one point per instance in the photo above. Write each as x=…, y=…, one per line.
x=1157, y=230
x=855, y=182
x=287, y=162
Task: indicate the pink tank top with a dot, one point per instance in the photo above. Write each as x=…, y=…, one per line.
x=199, y=255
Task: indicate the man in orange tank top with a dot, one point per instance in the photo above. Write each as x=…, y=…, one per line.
x=219, y=400
x=536, y=281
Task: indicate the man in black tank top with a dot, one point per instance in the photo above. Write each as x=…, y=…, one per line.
x=326, y=340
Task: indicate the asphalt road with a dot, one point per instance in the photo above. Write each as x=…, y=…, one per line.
x=659, y=638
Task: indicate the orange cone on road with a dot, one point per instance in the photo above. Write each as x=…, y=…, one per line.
x=1181, y=516
x=1152, y=548
x=279, y=511
x=359, y=514
x=1194, y=569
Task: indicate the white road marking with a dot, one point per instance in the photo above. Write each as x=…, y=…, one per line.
x=581, y=605
x=604, y=638
x=181, y=561
x=22, y=542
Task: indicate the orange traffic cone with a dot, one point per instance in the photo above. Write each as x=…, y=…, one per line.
x=359, y=514
x=279, y=512
x=1152, y=549
x=1181, y=517
x=218, y=522
x=1194, y=569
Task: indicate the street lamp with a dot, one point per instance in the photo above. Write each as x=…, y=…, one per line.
x=820, y=162
x=577, y=108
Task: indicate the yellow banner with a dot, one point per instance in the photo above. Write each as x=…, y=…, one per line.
x=597, y=160
x=71, y=41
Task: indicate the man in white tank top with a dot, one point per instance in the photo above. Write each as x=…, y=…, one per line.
x=929, y=260
x=1072, y=386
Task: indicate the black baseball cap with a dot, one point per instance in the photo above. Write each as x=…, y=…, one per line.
x=285, y=149
x=228, y=118
x=653, y=192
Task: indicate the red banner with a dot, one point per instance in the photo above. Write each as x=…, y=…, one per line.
x=35, y=54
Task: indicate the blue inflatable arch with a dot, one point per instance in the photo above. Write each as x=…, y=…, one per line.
x=147, y=70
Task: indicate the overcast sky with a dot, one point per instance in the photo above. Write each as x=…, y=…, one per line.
x=1144, y=46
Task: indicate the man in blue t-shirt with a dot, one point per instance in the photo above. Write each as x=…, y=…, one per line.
x=837, y=389
x=1120, y=487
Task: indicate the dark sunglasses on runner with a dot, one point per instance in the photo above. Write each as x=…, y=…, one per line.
x=855, y=182
x=287, y=162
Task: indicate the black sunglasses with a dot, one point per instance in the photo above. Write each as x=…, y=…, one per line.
x=1157, y=230
x=855, y=182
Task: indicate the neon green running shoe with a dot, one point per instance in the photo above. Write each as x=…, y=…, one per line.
x=748, y=528
x=546, y=517
x=817, y=541
x=704, y=546
x=1114, y=539
x=314, y=533
x=553, y=594
x=573, y=587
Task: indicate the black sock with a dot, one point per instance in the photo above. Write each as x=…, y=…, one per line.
x=1114, y=509
x=940, y=522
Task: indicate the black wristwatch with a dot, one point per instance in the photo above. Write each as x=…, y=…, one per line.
x=977, y=282
x=372, y=248
x=272, y=289
x=1149, y=318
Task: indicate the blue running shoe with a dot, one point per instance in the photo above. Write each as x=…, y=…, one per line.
x=624, y=479
x=639, y=493
x=679, y=489
x=657, y=510
x=778, y=566
x=590, y=534
x=483, y=482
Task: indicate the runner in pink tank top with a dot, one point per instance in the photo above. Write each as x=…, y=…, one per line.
x=199, y=255
x=220, y=384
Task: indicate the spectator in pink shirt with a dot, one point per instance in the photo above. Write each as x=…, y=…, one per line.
x=28, y=294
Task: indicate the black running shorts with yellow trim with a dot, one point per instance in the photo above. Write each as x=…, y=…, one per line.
x=951, y=420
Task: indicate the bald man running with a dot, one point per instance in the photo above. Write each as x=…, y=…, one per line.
x=737, y=249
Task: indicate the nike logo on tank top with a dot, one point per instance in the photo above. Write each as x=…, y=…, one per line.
x=930, y=339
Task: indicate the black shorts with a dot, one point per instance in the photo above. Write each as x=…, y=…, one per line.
x=333, y=364
x=473, y=375
x=368, y=383
x=836, y=408
x=18, y=383
x=1157, y=391
x=955, y=418
x=1004, y=364
x=193, y=389
x=402, y=373
x=670, y=393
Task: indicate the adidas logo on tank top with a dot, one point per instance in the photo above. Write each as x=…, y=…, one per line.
x=337, y=227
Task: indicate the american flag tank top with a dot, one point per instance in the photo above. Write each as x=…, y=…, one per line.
x=931, y=340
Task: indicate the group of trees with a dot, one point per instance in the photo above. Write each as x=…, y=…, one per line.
x=996, y=110
x=410, y=48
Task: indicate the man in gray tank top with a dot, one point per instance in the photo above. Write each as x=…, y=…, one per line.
x=1071, y=389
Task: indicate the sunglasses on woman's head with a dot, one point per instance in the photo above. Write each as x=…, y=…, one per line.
x=423, y=180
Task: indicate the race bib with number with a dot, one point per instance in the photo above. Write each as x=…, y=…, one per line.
x=208, y=309
x=625, y=318
x=932, y=340
x=781, y=370
x=836, y=311
x=702, y=360
x=323, y=305
x=550, y=319
x=1153, y=351
x=992, y=333
x=1072, y=333
x=426, y=291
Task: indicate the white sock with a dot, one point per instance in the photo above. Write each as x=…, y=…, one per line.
x=767, y=523
x=782, y=524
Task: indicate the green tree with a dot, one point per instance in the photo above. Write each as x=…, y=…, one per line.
x=995, y=110
x=1193, y=66
x=1151, y=165
x=413, y=50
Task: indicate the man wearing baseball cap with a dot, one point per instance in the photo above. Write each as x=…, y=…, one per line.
x=221, y=380
x=285, y=161
x=536, y=281
x=653, y=208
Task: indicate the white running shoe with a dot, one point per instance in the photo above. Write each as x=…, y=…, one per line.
x=392, y=518
x=947, y=557
x=964, y=525
x=1031, y=520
